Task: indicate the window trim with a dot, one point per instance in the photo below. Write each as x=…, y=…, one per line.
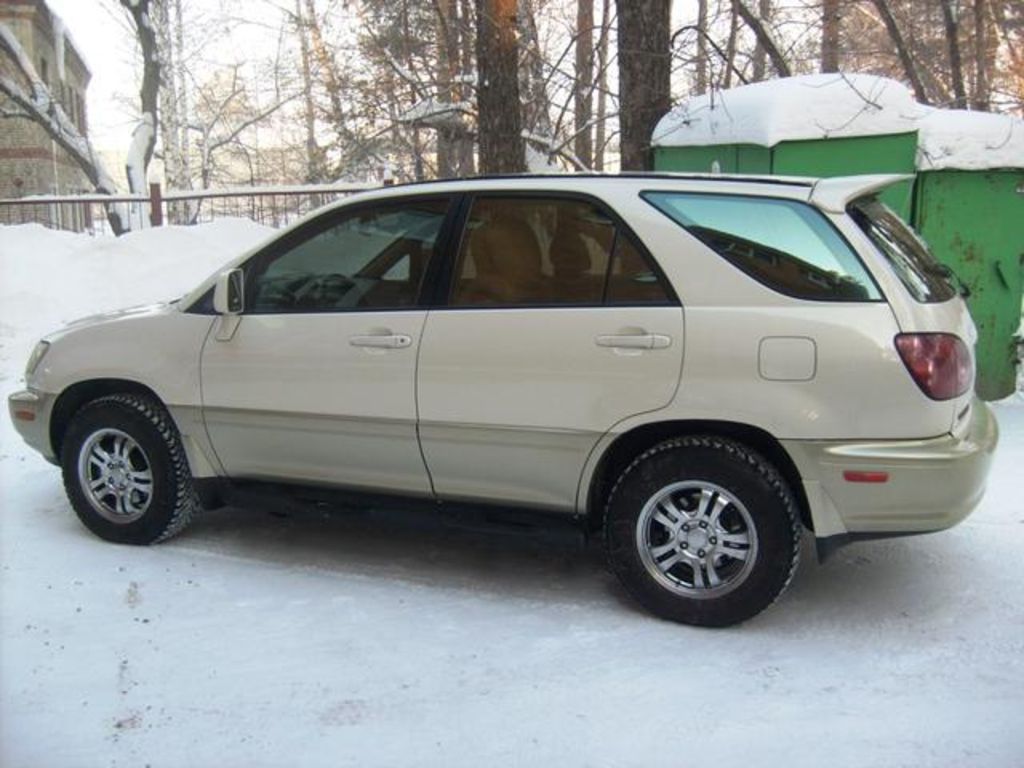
x=333, y=217
x=774, y=289
x=444, y=286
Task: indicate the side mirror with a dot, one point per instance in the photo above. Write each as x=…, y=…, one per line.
x=229, y=292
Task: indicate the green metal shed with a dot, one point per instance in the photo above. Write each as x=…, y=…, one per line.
x=967, y=200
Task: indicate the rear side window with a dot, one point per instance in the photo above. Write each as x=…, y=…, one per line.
x=784, y=244
x=526, y=251
x=925, y=279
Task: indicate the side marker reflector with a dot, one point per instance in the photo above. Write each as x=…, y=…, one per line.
x=852, y=476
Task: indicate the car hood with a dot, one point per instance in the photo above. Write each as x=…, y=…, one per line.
x=116, y=315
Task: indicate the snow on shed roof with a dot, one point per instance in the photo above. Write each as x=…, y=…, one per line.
x=792, y=108
x=843, y=105
x=962, y=140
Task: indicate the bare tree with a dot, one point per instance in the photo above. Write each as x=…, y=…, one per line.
x=502, y=149
x=584, y=96
x=140, y=152
x=644, y=76
x=902, y=50
x=980, y=87
x=951, y=24
x=760, y=55
x=830, y=25
x=702, y=63
x=454, y=138
x=601, y=129
x=764, y=39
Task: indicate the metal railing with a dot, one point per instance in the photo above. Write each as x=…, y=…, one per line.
x=271, y=206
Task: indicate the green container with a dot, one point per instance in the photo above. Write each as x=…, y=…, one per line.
x=891, y=153
x=972, y=220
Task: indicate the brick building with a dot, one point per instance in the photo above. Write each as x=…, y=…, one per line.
x=30, y=162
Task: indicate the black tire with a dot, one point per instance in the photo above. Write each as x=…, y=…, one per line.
x=153, y=447
x=754, y=504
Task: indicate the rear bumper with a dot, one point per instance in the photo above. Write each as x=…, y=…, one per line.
x=30, y=412
x=931, y=484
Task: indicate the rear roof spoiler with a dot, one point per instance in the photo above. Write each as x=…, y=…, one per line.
x=835, y=194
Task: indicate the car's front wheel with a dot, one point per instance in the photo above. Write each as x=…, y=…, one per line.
x=702, y=530
x=125, y=470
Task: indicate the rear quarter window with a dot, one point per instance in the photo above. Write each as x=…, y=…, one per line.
x=786, y=245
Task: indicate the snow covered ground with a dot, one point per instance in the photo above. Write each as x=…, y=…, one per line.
x=366, y=639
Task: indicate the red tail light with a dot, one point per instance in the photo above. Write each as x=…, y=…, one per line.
x=940, y=363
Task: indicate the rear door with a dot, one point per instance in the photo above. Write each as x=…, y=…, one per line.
x=556, y=326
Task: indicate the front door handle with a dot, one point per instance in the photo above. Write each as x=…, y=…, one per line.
x=382, y=341
x=634, y=341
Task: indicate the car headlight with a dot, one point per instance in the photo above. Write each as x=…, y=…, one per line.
x=37, y=357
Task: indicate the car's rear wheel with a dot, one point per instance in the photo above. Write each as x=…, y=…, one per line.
x=702, y=530
x=125, y=470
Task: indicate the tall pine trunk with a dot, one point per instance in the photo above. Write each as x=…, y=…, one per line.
x=584, y=96
x=830, y=22
x=502, y=149
x=644, y=70
x=601, y=129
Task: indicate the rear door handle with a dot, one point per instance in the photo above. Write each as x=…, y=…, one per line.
x=634, y=341
x=383, y=341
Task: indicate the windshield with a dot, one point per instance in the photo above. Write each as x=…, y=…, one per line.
x=926, y=279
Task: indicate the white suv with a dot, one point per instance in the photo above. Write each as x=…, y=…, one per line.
x=697, y=366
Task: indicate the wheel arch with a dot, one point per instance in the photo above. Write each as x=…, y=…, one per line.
x=71, y=400
x=627, y=446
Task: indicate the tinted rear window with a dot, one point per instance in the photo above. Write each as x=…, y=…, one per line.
x=786, y=245
x=925, y=279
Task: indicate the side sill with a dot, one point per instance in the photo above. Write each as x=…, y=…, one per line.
x=278, y=498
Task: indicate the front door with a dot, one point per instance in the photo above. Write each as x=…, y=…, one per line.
x=317, y=382
x=558, y=326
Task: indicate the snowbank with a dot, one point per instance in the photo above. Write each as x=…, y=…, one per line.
x=844, y=105
x=49, y=278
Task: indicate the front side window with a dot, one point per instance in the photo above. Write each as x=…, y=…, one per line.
x=369, y=259
x=786, y=245
x=519, y=251
x=923, y=276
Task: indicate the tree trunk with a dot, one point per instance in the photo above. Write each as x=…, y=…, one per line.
x=500, y=121
x=764, y=39
x=584, y=87
x=314, y=162
x=466, y=146
x=730, y=46
x=144, y=136
x=328, y=70
x=830, y=24
x=980, y=97
x=446, y=12
x=702, y=46
x=760, y=57
x=601, y=129
x=952, y=27
x=532, y=77
x=906, y=60
x=644, y=69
